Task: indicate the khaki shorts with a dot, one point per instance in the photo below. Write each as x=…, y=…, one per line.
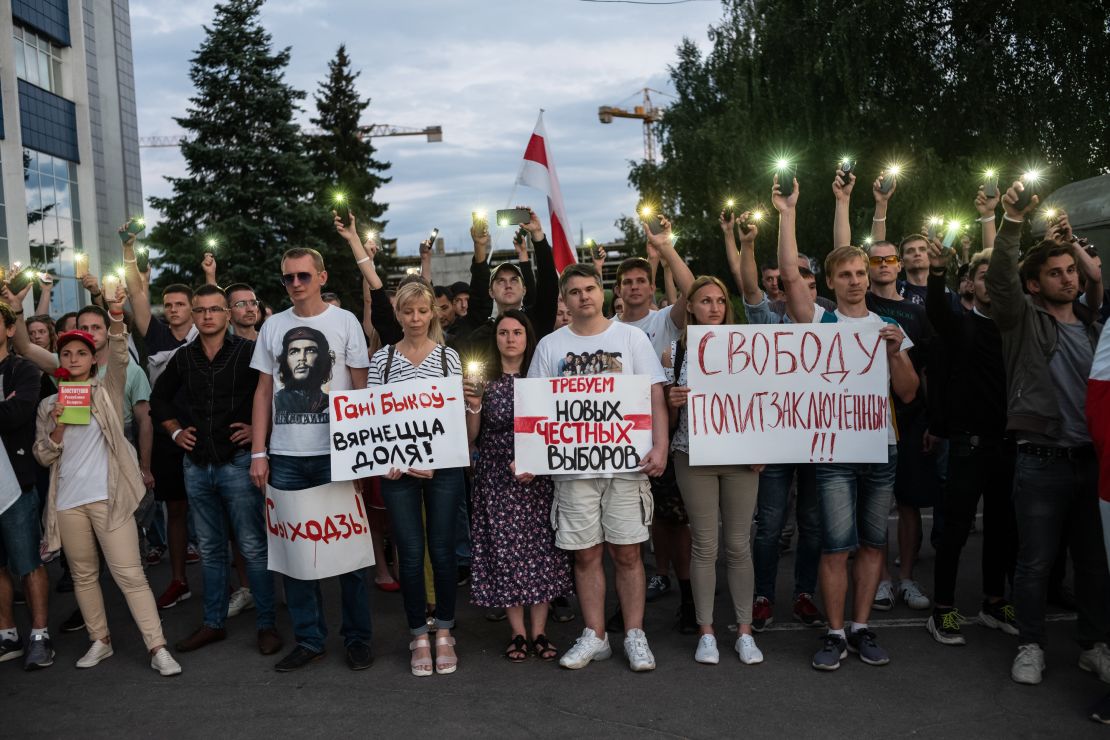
x=589, y=511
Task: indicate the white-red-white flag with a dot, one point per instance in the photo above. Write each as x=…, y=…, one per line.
x=538, y=171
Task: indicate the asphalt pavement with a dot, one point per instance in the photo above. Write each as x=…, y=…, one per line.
x=229, y=690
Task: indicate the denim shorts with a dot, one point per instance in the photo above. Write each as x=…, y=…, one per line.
x=20, y=535
x=855, y=503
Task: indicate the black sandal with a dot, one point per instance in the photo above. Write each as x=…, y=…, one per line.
x=517, y=651
x=543, y=649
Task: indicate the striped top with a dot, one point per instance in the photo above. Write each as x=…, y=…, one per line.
x=401, y=369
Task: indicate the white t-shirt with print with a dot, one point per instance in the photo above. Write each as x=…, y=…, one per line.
x=870, y=318
x=659, y=328
x=307, y=357
x=619, y=350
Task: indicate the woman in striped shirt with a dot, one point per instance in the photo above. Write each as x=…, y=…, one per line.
x=422, y=501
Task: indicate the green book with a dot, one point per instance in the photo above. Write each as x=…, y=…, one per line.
x=77, y=398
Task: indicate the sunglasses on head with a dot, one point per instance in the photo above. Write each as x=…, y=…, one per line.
x=296, y=277
x=890, y=259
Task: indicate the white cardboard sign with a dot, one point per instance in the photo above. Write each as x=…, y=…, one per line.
x=787, y=393
x=582, y=423
x=318, y=532
x=417, y=424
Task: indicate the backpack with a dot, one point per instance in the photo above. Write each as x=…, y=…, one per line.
x=389, y=361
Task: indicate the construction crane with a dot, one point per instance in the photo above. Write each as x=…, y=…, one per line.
x=647, y=113
x=376, y=130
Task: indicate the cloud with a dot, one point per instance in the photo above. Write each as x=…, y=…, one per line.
x=480, y=70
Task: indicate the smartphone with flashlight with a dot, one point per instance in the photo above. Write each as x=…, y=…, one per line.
x=730, y=210
x=136, y=225
x=478, y=218
x=990, y=186
x=142, y=258
x=886, y=184
x=1029, y=189
x=934, y=229
x=950, y=236
x=513, y=216
x=846, y=168
x=786, y=175
x=654, y=223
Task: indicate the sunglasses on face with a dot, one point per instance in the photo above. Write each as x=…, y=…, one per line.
x=294, y=277
x=245, y=304
x=890, y=259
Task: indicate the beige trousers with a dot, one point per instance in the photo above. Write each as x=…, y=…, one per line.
x=81, y=529
x=724, y=494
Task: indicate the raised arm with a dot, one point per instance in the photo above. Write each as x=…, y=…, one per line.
x=749, y=270
x=1060, y=231
x=987, y=208
x=46, y=360
x=426, y=260
x=882, y=202
x=92, y=285
x=663, y=243
x=842, y=229
x=208, y=267
x=547, y=278
x=1003, y=282
x=937, y=305
x=799, y=304
x=136, y=287
x=47, y=284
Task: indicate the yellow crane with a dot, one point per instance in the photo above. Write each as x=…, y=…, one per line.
x=647, y=112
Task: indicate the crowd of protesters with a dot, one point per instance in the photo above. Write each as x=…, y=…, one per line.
x=193, y=413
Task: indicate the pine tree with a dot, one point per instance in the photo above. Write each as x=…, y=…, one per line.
x=343, y=161
x=249, y=184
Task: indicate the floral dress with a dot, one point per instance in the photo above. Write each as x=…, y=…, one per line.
x=514, y=559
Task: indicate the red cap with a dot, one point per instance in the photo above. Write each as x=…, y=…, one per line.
x=82, y=336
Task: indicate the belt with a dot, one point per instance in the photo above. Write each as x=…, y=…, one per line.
x=1083, y=452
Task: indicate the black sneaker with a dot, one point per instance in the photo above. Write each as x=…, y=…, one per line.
x=658, y=586
x=359, y=656
x=999, y=616
x=298, y=658
x=944, y=626
x=615, y=623
x=1100, y=712
x=11, y=649
x=834, y=649
x=561, y=610
x=74, y=623
x=863, y=642
x=464, y=575
x=40, y=653
x=687, y=620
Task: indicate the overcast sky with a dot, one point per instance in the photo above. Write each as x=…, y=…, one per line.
x=481, y=70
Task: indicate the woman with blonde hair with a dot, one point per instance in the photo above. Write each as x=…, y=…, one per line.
x=712, y=493
x=95, y=488
x=422, y=504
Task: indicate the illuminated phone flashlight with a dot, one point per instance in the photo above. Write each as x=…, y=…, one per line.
x=1032, y=176
x=935, y=220
x=782, y=164
x=502, y=222
x=990, y=174
x=211, y=243
x=340, y=200
x=17, y=266
x=1051, y=214
x=645, y=212
x=139, y=221
x=955, y=226
x=867, y=241
x=473, y=368
x=140, y=249
x=479, y=214
x=369, y=235
x=894, y=169
x=757, y=215
x=79, y=256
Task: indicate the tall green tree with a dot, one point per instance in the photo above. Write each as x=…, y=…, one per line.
x=343, y=160
x=249, y=184
x=946, y=87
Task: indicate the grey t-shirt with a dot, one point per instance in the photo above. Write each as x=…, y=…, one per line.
x=1070, y=367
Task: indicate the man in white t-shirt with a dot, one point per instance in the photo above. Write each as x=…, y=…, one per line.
x=301, y=354
x=670, y=530
x=593, y=509
x=855, y=498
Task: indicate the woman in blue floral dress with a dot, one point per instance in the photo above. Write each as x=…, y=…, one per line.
x=515, y=562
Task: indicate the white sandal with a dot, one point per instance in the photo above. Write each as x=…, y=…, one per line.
x=446, y=663
x=421, y=666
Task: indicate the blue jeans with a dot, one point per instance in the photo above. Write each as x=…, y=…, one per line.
x=409, y=501
x=855, y=502
x=1056, y=500
x=774, y=497
x=306, y=609
x=220, y=495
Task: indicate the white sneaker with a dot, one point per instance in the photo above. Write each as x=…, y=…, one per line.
x=1029, y=664
x=97, y=652
x=1097, y=661
x=638, y=652
x=239, y=602
x=164, y=663
x=586, y=648
x=884, y=597
x=707, y=651
x=747, y=650
x=912, y=594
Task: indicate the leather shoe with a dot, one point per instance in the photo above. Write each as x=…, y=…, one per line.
x=359, y=656
x=201, y=637
x=269, y=641
x=299, y=657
